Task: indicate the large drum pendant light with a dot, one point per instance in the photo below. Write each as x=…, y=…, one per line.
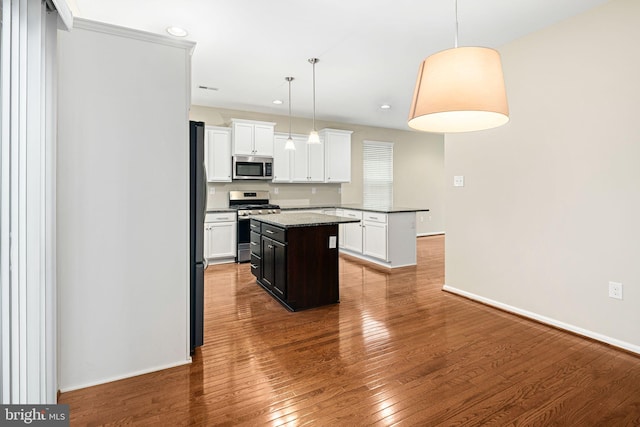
x=459, y=90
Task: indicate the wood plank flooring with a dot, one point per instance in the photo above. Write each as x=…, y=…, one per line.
x=396, y=350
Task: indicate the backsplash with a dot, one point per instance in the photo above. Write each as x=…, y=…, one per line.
x=286, y=195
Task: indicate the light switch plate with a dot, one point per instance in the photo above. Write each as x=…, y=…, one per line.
x=332, y=242
x=458, y=181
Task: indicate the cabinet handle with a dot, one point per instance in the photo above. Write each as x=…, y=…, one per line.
x=268, y=231
x=223, y=218
x=254, y=244
x=270, y=246
x=373, y=217
x=253, y=226
x=254, y=266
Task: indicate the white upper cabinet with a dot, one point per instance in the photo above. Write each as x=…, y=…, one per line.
x=337, y=158
x=307, y=161
x=281, y=159
x=217, y=153
x=252, y=138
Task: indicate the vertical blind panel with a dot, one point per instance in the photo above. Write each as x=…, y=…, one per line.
x=27, y=129
x=377, y=173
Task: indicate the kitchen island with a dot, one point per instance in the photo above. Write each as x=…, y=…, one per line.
x=294, y=257
x=385, y=236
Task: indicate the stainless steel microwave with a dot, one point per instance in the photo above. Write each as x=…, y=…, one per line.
x=252, y=167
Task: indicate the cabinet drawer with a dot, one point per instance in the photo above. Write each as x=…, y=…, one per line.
x=255, y=265
x=254, y=226
x=352, y=214
x=220, y=217
x=375, y=217
x=275, y=233
x=254, y=244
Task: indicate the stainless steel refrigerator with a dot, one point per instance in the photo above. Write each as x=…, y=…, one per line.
x=197, y=211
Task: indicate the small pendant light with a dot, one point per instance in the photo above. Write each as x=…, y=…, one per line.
x=459, y=90
x=289, y=145
x=313, y=135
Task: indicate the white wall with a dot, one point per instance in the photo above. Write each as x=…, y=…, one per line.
x=550, y=209
x=122, y=185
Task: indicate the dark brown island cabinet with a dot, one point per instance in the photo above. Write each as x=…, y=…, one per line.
x=294, y=257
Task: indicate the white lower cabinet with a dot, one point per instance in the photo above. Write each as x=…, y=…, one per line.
x=352, y=233
x=220, y=237
x=385, y=239
x=374, y=235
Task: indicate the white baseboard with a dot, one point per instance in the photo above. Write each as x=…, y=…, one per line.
x=121, y=377
x=435, y=233
x=546, y=320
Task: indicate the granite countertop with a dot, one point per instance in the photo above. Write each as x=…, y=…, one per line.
x=358, y=207
x=354, y=206
x=291, y=220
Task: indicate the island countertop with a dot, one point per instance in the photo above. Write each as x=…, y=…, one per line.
x=291, y=220
x=357, y=207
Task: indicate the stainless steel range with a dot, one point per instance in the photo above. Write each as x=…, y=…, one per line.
x=249, y=203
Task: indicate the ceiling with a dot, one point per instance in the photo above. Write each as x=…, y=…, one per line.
x=369, y=50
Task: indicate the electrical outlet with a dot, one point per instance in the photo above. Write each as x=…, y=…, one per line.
x=458, y=181
x=313, y=190
x=276, y=190
x=615, y=290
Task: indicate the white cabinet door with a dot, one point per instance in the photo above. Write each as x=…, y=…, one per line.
x=243, y=139
x=315, y=161
x=220, y=236
x=217, y=153
x=263, y=140
x=374, y=241
x=252, y=138
x=307, y=163
x=337, y=155
x=281, y=159
x=220, y=240
x=352, y=239
x=300, y=170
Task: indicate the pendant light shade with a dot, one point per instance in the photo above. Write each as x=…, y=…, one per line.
x=289, y=145
x=460, y=90
x=313, y=135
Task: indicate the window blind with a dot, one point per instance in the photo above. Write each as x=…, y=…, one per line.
x=377, y=173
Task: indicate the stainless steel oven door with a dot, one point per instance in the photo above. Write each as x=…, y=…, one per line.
x=244, y=239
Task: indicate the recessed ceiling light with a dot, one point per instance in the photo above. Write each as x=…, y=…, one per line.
x=177, y=31
x=277, y=101
x=385, y=107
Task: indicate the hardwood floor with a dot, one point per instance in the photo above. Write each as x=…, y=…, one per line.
x=396, y=350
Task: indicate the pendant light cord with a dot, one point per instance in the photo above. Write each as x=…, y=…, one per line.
x=314, y=93
x=456, y=40
x=289, y=79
